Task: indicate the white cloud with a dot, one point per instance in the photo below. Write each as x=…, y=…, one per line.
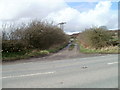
x=14, y=9
x=90, y=0
x=78, y=21
x=58, y=11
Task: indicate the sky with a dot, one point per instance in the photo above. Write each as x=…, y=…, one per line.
x=78, y=14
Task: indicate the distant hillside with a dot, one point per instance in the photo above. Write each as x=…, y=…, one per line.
x=114, y=30
x=74, y=35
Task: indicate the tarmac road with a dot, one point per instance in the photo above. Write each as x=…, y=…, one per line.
x=89, y=72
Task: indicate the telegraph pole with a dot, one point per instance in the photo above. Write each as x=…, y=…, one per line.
x=62, y=25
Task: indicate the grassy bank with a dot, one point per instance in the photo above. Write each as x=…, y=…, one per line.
x=71, y=46
x=98, y=40
x=23, y=55
x=104, y=50
x=57, y=48
x=12, y=56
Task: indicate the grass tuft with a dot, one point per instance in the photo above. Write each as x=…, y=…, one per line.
x=71, y=46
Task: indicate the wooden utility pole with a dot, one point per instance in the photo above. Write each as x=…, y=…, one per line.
x=62, y=25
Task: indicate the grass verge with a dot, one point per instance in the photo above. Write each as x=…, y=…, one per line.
x=104, y=50
x=23, y=55
x=71, y=46
x=12, y=56
x=57, y=48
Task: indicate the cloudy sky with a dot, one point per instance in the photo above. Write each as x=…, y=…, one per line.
x=77, y=14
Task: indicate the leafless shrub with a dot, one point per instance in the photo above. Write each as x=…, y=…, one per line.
x=36, y=34
x=95, y=37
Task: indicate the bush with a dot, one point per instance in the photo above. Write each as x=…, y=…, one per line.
x=12, y=46
x=43, y=36
x=96, y=38
x=34, y=35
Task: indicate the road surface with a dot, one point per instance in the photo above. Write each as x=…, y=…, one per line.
x=89, y=72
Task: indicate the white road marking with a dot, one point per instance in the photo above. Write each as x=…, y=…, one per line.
x=112, y=63
x=27, y=75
